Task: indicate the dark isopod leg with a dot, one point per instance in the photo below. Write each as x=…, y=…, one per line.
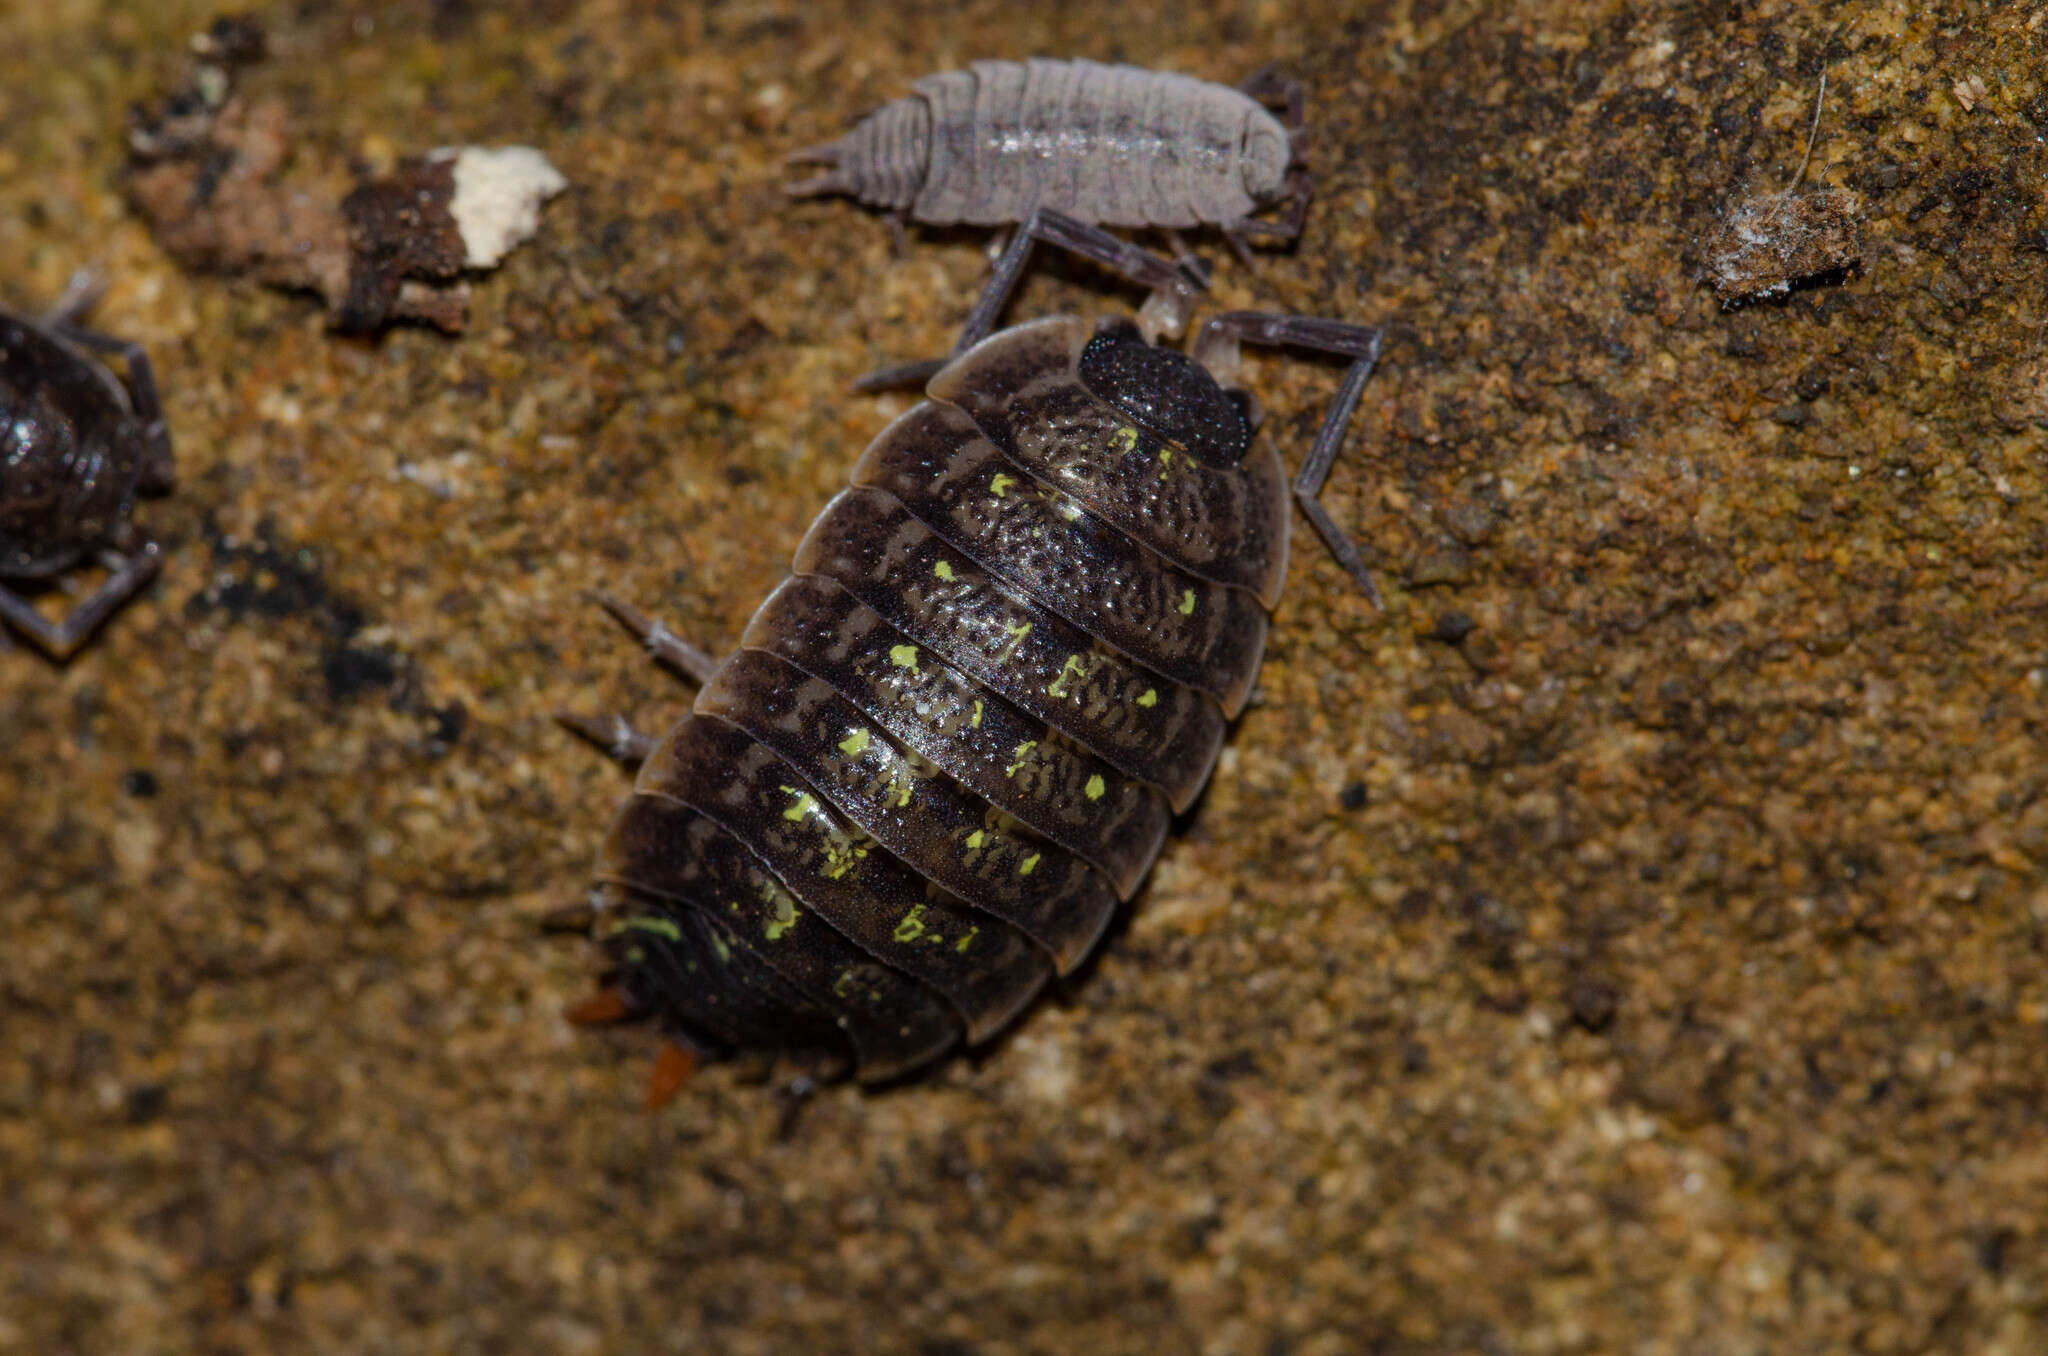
x=662, y=643
x=1361, y=344
x=58, y=640
x=1075, y=237
x=1053, y=228
x=614, y=733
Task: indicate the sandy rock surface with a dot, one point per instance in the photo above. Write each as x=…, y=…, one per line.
x=1631, y=940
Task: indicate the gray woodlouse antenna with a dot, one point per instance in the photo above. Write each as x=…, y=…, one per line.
x=835, y=179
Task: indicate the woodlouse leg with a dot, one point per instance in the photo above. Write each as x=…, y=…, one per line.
x=1240, y=246
x=796, y=1095
x=614, y=734
x=1268, y=86
x=606, y=1006
x=662, y=643
x=58, y=640
x=1076, y=237
x=672, y=1068
x=1301, y=186
x=81, y=294
x=158, y=474
x=1193, y=266
x=1360, y=343
x=898, y=375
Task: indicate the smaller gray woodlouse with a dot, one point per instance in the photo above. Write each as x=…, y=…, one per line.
x=1104, y=145
x=76, y=446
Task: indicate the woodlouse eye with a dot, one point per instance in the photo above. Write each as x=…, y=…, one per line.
x=1168, y=394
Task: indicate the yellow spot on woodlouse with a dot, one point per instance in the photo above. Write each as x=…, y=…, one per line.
x=999, y=483
x=1125, y=439
x=1165, y=461
x=1021, y=754
x=975, y=723
x=842, y=855
x=967, y=941
x=899, y=787
x=905, y=656
x=1073, y=668
x=785, y=915
x=1016, y=635
x=1028, y=865
x=1187, y=602
x=659, y=926
x=806, y=805
x=1149, y=697
x=1095, y=787
x=911, y=926
x=976, y=839
x=944, y=570
x=855, y=744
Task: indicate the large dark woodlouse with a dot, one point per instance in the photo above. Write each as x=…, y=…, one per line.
x=77, y=445
x=1109, y=145
x=950, y=744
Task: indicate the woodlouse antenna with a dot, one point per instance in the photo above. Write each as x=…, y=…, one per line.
x=836, y=178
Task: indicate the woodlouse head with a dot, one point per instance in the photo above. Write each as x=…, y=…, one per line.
x=1168, y=394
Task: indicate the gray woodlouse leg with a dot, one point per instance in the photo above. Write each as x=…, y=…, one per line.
x=1076, y=237
x=614, y=734
x=1240, y=246
x=1267, y=85
x=1193, y=266
x=1360, y=343
x=58, y=640
x=1301, y=186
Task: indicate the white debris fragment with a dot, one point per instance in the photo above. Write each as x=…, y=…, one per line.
x=498, y=195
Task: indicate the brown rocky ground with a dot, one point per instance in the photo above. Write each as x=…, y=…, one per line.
x=1629, y=941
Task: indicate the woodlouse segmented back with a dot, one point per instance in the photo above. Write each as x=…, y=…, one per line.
x=1111, y=144
x=952, y=741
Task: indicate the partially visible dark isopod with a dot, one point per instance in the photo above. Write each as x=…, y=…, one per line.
x=950, y=744
x=76, y=446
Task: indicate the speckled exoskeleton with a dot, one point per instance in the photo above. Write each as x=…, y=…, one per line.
x=1108, y=145
x=77, y=444
x=950, y=744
